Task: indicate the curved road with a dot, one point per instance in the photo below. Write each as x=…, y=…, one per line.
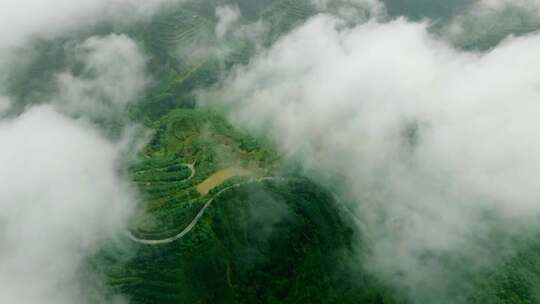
x=198, y=216
x=192, y=168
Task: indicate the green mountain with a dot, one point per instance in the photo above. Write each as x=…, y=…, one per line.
x=224, y=218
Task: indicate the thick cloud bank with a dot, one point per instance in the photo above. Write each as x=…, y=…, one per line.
x=227, y=16
x=61, y=196
x=435, y=145
x=62, y=192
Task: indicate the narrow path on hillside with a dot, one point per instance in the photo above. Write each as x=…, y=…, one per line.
x=193, y=171
x=199, y=215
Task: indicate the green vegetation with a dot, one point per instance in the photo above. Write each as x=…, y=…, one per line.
x=272, y=242
x=516, y=278
x=188, y=147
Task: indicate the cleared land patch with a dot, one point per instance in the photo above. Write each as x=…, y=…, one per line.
x=220, y=177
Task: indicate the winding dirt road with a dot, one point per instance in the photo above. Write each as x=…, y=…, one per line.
x=199, y=215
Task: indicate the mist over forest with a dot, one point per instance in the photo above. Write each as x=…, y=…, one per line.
x=269, y=151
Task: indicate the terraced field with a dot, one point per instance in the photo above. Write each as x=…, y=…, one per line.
x=169, y=200
x=177, y=30
x=284, y=15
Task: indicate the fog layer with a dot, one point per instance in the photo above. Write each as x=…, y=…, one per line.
x=62, y=192
x=61, y=197
x=434, y=146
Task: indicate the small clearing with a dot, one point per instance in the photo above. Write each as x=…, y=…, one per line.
x=220, y=177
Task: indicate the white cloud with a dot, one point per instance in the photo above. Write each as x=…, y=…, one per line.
x=254, y=32
x=62, y=192
x=113, y=76
x=61, y=196
x=227, y=17
x=429, y=139
x=352, y=10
